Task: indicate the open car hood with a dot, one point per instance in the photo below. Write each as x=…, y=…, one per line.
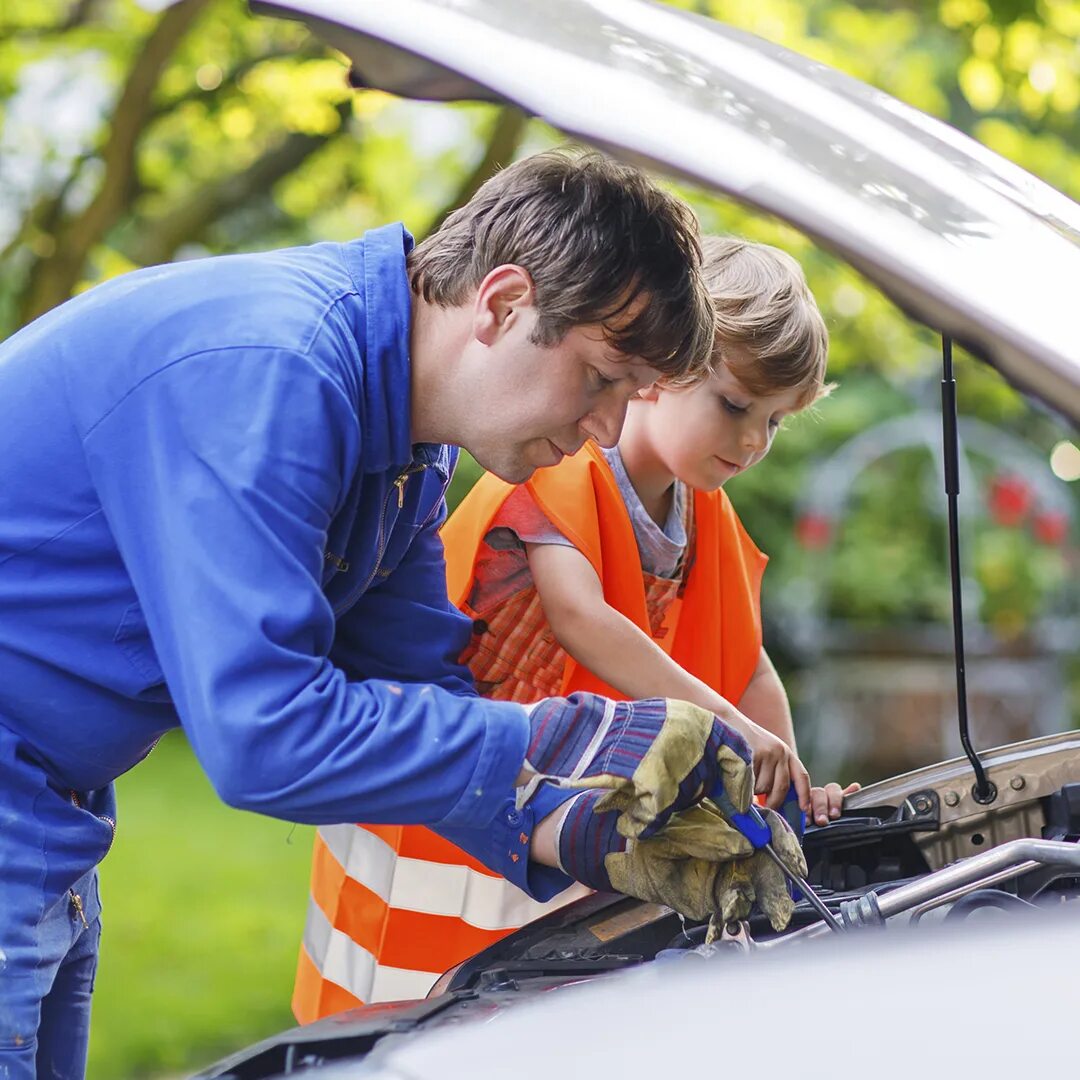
x=966, y=242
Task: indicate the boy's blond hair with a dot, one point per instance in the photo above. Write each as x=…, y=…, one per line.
x=764, y=306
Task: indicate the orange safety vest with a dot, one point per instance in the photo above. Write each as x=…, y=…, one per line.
x=392, y=907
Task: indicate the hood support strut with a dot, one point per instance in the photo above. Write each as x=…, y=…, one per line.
x=984, y=790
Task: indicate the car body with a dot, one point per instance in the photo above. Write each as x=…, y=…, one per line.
x=972, y=247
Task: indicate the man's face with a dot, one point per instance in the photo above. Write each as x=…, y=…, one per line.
x=540, y=403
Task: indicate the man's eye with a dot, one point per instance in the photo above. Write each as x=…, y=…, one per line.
x=601, y=380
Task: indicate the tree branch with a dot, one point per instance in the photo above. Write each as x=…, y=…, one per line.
x=159, y=238
x=505, y=137
x=310, y=51
x=53, y=278
x=44, y=215
x=79, y=15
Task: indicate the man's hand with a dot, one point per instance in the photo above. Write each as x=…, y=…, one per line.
x=697, y=864
x=828, y=801
x=654, y=757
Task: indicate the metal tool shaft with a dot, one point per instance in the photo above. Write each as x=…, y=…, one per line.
x=806, y=889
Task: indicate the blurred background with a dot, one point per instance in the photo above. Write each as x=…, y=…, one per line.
x=136, y=133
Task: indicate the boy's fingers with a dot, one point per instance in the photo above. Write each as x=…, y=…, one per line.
x=801, y=779
x=833, y=797
x=763, y=780
x=781, y=782
x=849, y=790
x=819, y=800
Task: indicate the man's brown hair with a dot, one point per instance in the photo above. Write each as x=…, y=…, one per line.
x=764, y=306
x=602, y=244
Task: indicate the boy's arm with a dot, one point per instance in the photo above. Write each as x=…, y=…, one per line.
x=609, y=644
x=765, y=701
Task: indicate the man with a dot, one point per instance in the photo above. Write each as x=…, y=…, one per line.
x=220, y=485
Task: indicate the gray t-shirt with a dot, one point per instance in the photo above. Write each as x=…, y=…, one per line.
x=661, y=550
x=502, y=568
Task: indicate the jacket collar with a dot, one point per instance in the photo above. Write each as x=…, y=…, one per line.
x=377, y=264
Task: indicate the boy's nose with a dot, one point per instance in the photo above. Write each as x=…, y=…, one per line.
x=755, y=438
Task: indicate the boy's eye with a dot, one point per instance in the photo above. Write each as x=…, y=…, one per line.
x=731, y=407
x=775, y=422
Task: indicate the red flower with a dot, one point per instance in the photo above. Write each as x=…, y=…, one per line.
x=1010, y=499
x=813, y=531
x=1051, y=527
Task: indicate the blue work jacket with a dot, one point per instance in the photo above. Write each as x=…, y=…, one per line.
x=212, y=514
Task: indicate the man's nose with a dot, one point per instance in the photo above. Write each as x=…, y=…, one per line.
x=604, y=423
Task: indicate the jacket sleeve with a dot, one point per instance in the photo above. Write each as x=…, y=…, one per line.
x=504, y=845
x=411, y=606
x=218, y=476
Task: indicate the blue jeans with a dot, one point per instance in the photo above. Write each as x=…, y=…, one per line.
x=51, y=840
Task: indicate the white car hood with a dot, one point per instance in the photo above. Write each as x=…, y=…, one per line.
x=965, y=241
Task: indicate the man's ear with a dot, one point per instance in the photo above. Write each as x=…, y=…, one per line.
x=501, y=298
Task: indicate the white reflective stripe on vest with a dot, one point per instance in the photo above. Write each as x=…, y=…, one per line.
x=400, y=984
x=364, y=856
x=338, y=958
x=417, y=885
x=488, y=903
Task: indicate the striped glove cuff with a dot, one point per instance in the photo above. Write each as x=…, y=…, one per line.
x=585, y=837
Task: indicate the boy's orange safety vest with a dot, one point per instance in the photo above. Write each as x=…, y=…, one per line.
x=392, y=907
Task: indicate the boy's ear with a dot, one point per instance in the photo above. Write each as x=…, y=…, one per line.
x=648, y=393
x=499, y=299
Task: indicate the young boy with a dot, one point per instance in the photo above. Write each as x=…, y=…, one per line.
x=625, y=572
x=627, y=569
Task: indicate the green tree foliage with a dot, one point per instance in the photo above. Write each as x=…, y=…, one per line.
x=202, y=129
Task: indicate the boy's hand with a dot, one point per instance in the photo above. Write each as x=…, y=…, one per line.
x=776, y=765
x=828, y=801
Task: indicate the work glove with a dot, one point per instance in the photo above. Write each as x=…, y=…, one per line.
x=758, y=879
x=697, y=864
x=654, y=757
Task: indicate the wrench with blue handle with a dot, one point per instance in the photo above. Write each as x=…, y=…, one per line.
x=756, y=829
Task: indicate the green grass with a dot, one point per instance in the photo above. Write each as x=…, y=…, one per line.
x=203, y=913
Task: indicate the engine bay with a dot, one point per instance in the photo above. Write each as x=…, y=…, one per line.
x=911, y=851
x=916, y=847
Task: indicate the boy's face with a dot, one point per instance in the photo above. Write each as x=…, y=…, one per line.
x=711, y=432
x=540, y=403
